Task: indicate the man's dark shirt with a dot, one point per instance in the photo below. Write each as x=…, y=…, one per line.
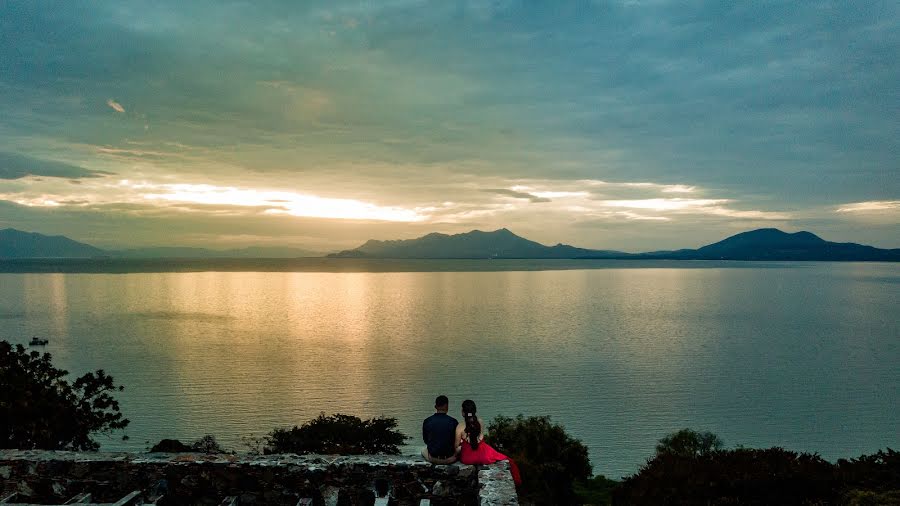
x=439, y=433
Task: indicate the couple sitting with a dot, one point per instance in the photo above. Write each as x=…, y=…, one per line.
x=447, y=440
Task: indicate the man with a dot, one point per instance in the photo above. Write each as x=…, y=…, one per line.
x=439, y=433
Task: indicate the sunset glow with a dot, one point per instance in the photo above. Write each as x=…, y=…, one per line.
x=279, y=202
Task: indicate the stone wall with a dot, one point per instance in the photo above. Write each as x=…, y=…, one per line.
x=186, y=478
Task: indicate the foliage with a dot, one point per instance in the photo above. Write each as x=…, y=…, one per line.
x=741, y=476
x=870, y=479
x=40, y=409
x=550, y=460
x=338, y=434
x=869, y=498
x=688, y=443
x=687, y=470
x=597, y=490
x=206, y=444
x=878, y=472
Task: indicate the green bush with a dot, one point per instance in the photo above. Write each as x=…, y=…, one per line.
x=338, y=434
x=39, y=409
x=550, y=460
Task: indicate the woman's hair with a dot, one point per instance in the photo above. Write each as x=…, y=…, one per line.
x=473, y=426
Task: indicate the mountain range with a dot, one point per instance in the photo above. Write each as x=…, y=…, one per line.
x=18, y=244
x=761, y=244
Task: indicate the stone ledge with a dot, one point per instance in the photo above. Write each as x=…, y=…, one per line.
x=190, y=478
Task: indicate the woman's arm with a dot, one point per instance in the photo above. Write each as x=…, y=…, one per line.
x=460, y=430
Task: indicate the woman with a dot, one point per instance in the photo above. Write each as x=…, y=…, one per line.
x=470, y=441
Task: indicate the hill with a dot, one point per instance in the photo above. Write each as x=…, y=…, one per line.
x=475, y=244
x=185, y=252
x=761, y=244
x=774, y=244
x=18, y=244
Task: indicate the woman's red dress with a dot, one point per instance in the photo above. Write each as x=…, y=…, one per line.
x=484, y=455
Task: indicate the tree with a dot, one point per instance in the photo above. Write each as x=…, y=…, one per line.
x=338, y=434
x=551, y=461
x=688, y=443
x=40, y=409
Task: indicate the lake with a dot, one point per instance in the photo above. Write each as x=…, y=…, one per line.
x=800, y=355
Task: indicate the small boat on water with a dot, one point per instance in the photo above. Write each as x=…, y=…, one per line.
x=38, y=342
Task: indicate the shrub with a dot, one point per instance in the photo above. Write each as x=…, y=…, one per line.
x=550, y=460
x=879, y=472
x=338, y=434
x=597, y=490
x=741, y=476
x=688, y=443
x=689, y=468
x=39, y=409
x=206, y=444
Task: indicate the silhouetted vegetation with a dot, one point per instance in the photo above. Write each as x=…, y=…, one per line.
x=40, y=409
x=690, y=468
x=338, y=434
x=597, y=490
x=551, y=461
x=870, y=479
x=688, y=443
x=206, y=444
x=742, y=476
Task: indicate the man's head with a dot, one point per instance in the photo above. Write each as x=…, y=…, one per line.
x=441, y=404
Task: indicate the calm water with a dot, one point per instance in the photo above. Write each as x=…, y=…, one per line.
x=799, y=355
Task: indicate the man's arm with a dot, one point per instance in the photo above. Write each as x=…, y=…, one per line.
x=425, y=431
x=457, y=437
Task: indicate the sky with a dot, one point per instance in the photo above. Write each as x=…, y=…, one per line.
x=631, y=125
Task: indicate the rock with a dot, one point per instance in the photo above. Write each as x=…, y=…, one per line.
x=23, y=488
x=331, y=495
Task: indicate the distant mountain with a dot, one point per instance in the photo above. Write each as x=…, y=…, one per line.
x=249, y=252
x=762, y=244
x=17, y=244
x=475, y=244
x=774, y=244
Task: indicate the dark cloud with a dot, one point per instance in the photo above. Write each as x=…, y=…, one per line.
x=16, y=166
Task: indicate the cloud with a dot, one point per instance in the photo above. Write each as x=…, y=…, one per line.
x=115, y=105
x=17, y=166
x=678, y=188
x=872, y=206
x=517, y=194
x=279, y=202
x=714, y=207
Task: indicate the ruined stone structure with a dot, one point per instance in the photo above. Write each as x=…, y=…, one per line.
x=43, y=477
